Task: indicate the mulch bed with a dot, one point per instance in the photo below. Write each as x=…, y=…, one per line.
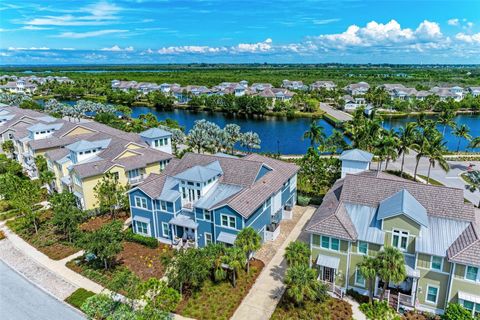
x=143, y=261
x=95, y=223
x=219, y=300
x=332, y=309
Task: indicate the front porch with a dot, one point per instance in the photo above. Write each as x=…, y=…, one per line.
x=327, y=271
x=401, y=297
x=184, y=231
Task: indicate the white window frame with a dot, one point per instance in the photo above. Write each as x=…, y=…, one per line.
x=476, y=278
x=228, y=221
x=147, y=227
x=358, y=248
x=359, y=284
x=401, y=234
x=436, y=296
x=166, y=226
x=163, y=205
x=431, y=263
x=140, y=199
x=330, y=243
x=211, y=238
x=205, y=212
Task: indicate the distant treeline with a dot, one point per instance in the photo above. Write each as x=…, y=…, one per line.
x=213, y=74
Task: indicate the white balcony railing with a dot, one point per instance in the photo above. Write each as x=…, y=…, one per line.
x=136, y=179
x=405, y=300
x=272, y=235
x=333, y=288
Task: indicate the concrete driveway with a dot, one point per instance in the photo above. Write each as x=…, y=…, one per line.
x=21, y=300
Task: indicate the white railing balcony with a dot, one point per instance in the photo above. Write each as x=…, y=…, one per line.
x=336, y=290
x=137, y=179
x=271, y=235
x=386, y=296
x=405, y=300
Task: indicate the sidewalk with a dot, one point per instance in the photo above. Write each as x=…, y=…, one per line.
x=261, y=301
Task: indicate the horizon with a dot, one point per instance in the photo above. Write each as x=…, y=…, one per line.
x=131, y=32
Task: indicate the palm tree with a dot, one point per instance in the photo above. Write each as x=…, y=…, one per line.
x=8, y=147
x=301, y=284
x=391, y=267
x=387, y=148
x=368, y=268
x=422, y=140
x=406, y=141
x=475, y=143
x=250, y=140
x=46, y=177
x=297, y=253
x=234, y=259
x=434, y=153
x=249, y=241
x=462, y=131
x=446, y=119
x=315, y=133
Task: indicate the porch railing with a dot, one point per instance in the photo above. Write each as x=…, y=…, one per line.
x=386, y=296
x=405, y=300
x=136, y=179
x=333, y=288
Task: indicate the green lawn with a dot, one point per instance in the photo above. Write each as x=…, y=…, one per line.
x=78, y=297
x=219, y=300
x=431, y=181
x=332, y=309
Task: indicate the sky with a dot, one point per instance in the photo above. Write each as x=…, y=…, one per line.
x=231, y=31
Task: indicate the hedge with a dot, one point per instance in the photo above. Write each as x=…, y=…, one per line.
x=146, y=241
x=78, y=297
x=303, y=200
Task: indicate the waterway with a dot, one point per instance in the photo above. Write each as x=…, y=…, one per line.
x=285, y=135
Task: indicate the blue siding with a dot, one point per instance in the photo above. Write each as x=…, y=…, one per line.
x=259, y=219
x=262, y=172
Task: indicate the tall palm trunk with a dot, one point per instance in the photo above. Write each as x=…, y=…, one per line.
x=416, y=168
x=385, y=285
x=458, y=145
x=403, y=162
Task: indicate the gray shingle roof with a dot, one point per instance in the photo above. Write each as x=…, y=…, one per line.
x=466, y=249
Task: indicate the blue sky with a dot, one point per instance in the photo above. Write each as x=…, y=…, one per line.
x=177, y=31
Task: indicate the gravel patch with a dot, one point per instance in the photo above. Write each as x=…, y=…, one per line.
x=35, y=272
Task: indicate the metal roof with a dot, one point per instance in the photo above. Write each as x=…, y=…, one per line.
x=356, y=155
x=410, y=267
x=226, y=237
x=44, y=126
x=184, y=219
x=366, y=224
x=170, y=190
x=153, y=133
x=141, y=219
x=198, y=174
x=328, y=261
x=83, y=145
x=217, y=194
x=403, y=202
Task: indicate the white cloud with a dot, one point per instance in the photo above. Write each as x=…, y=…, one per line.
x=453, y=22
x=28, y=49
x=254, y=47
x=29, y=27
x=469, y=38
x=116, y=48
x=325, y=21
x=89, y=34
x=190, y=49
x=428, y=30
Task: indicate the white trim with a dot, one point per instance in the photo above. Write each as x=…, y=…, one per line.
x=400, y=236
x=163, y=230
x=135, y=198
x=211, y=237
x=355, y=279
x=228, y=222
x=470, y=280
x=142, y=233
x=431, y=263
x=436, y=296
x=358, y=248
x=154, y=222
x=330, y=243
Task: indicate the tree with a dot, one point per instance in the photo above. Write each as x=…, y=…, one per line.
x=386, y=148
x=234, y=259
x=315, y=133
x=379, y=310
x=302, y=285
x=297, y=253
x=368, y=269
x=446, y=119
x=188, y=269
x=8, y=147
x=111, y=195
x=460, y=132
x=455, y=311
x=24, y=198
x=475, y=143
x=66, y=215
x=334, y=143
x=105, y=243
x=249, y=241
x=406, y=141
x=159, y=295
x=434, y=152
x=178, y=137
x=250, y=140
x=233, y=134
x=391, y=267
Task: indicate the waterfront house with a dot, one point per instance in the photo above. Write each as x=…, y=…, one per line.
x=293, y=85
x=202, y=199
x=444, y=93
x=438, y=233
x=474, y=91
x=19, y=86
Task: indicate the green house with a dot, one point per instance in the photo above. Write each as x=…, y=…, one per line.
x=436, y=231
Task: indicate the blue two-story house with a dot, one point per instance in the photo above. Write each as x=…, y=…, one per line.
x=202, y=199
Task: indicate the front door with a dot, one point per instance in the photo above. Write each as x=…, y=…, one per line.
x=328, y=274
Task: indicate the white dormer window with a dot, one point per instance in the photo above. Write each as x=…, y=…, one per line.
x=400, y=239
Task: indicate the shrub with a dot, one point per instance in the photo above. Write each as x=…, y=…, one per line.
x=78, y=297
x=379, y=311
x=455, y=311
x=303, y=200
x=360, y=298
x=146, y=241
x=99, y=306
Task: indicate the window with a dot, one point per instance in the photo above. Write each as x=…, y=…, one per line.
x=142, y=227
x=432, y=294
x=469, y=305
x=163, y=205
x=362, y=247
x=359, y=278
x=208, y=238
x=229, y=221
x=140, y=202
x=165, y=141
x=436, y=263
x=400, y=239
x=471, y=273
x=207, y=215
x=166, y=230
x=76, y=180
x=330, y=243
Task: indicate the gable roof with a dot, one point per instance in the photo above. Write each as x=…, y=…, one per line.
x=403, y=202
x=356, y=155
x=83, y=145
x=199, y=173
x=466, y=249
x=153, y=133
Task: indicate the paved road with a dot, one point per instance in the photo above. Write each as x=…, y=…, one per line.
x=21, y=300
x=337, y=114
x=451, y=178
